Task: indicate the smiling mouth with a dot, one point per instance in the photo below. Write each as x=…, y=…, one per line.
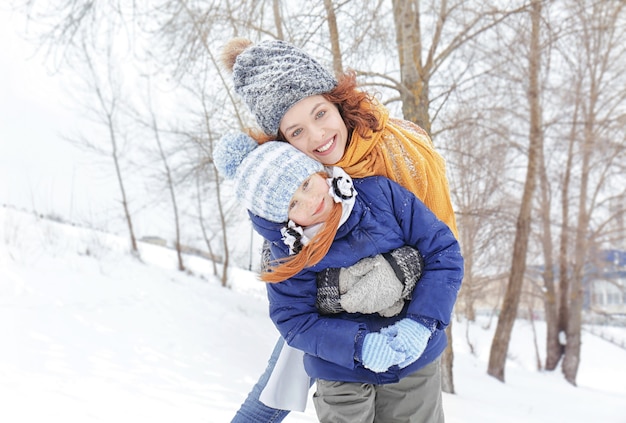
x=319, y=208
x=326, y=146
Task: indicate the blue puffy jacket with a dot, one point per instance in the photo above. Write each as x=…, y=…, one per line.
x=385, y=216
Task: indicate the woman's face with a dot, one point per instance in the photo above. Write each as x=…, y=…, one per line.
x=314, y=126
x=312, y=202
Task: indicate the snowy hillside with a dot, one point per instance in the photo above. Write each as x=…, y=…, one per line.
x=90, y=334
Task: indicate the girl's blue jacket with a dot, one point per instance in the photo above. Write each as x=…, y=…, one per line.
x=385, y=216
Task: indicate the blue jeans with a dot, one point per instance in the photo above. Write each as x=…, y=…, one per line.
x=253, y=410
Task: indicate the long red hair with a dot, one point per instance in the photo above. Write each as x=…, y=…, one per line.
x=310, y=255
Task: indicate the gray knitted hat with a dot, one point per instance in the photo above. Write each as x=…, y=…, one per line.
x=272, y=76
x=266, y=176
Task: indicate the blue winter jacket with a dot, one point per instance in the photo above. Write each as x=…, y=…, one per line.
x=385, y=216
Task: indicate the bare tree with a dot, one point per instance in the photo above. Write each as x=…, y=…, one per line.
x=70, y=37
x=420, y=61
x=582, y=168
x=168, y=175
x=278, y=19
x=550, y=298
x=108, y=107
x=602, y=29
x=220, y=207
x=556, y=302
x=480, y=157
x=334, y=36
x=203, y=226
x=508, y=313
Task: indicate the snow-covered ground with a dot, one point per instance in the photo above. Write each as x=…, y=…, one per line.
x=90, y=334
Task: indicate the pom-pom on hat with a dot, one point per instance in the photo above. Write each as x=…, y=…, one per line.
x=272, y=76
x=266, y=176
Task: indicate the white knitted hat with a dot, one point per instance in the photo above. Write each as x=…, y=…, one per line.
x=266, y=176
x=272, y=76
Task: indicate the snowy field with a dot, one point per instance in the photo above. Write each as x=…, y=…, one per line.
x=90, y=334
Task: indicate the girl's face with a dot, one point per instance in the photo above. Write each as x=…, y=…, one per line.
x=312, y=202
x=314, y=126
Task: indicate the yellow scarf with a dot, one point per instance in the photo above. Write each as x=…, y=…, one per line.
x=403, y=152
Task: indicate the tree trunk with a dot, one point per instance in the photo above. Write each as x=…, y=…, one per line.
x=554, y=347
x=278, y=21
x=508, y=314
x=550, y=298
x=168, y=178
x=205, y=235
x=109, y=110
x=447, y=362
x=334, y=37
x=571, y=357
x=120, y=180
x=502, y=336
x=414, y=96
x=414, y=76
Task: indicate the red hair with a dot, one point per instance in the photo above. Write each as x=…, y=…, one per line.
x=353, y=105
x=310, y=255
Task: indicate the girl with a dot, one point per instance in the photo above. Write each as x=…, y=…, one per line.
x=295, y=99
x=365, y=365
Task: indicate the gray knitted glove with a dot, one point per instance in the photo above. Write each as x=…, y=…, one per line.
x=374, y=285
x=371, y=286
x=266, y=256
x=408, y=264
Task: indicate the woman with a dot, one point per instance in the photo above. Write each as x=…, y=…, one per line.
x=295, y=99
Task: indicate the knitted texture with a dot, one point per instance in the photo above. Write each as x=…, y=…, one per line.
x=328, y=300
x=272, y=76
x=378, y=284
x=265, y=176
x=266, y=256
x=408, y=337
x=377, y=355
x=371, y=286
x=408, y=264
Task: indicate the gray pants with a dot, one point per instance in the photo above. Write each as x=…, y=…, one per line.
x=414, y=399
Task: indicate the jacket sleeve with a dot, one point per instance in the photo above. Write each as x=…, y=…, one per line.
x=435, y=294
x=293, y=311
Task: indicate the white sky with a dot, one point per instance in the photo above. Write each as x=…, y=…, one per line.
x=39, y=170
